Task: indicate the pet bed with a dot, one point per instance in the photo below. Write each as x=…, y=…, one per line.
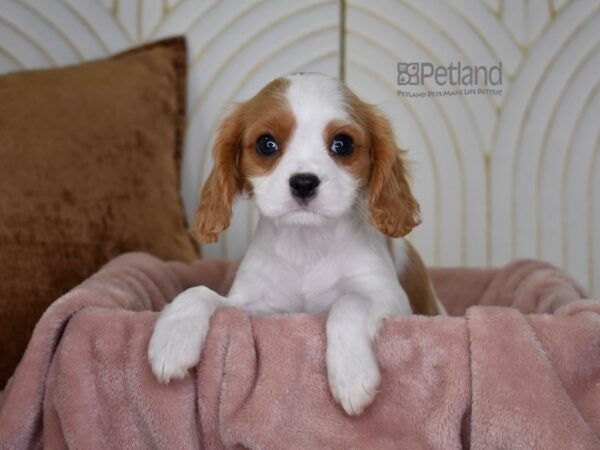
x=489, y=376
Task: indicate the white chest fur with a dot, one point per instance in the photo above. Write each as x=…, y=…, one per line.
x=306, y=269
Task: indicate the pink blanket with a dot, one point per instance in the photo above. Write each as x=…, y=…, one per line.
x=494, y=377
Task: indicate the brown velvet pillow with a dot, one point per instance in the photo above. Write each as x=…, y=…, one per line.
x=89, y=169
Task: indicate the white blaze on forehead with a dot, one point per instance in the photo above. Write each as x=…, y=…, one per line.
x=316, y=99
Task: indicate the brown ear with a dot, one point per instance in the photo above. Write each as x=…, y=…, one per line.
x=224, y=182
x=392, y=207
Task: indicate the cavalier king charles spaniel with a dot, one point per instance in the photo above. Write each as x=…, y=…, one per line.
x=330, y=184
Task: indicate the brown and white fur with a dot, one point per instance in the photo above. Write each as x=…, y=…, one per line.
x=320, y=244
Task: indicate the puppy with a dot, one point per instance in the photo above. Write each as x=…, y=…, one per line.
x=330, y=184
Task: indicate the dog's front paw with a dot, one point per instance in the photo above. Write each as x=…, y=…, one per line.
x=176, y=343
x=353, y=377
x=174, y=348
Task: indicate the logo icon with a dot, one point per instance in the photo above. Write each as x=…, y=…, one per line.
x=408, y=74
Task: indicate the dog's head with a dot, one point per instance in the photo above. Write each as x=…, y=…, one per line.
x=309, y=151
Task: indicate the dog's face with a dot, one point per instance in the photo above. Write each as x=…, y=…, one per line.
x=301, y=168
x=309, y=151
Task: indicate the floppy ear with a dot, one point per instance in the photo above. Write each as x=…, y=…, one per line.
x=392, y=207
x=224, y=182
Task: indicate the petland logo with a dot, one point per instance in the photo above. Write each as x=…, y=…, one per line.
x=461, y=79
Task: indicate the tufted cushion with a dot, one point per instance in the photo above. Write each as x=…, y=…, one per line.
x=89, y=169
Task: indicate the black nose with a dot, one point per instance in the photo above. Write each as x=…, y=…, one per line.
x=304, y=185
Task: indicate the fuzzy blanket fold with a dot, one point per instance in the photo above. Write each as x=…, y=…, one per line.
x=493, y=377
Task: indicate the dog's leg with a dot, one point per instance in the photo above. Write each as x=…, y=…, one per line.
x=352, y=369
x=179, y=333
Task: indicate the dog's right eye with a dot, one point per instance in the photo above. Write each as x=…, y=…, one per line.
x=266, y=145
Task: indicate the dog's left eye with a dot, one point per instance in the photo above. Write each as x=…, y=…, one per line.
x=342, y=145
